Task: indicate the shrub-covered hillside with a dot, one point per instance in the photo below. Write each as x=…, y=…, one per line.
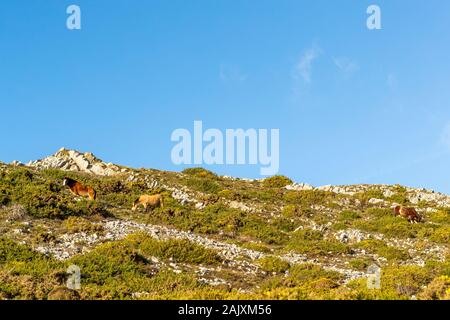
x=215, y=238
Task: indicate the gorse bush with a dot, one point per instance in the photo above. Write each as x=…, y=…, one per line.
x=202, y=180
x=205, y=185
x=441, y=216
x=108, y=261
x=274, y=264
x=398, y=282
x=361, y=264
x=79, y=224
x=406, y=280
x=348, y=216
x=308, y=234
x=441, y=235
x=438, y=289
x=276, y=182
x=294, y=211
x=25, y=273
x=200, y=173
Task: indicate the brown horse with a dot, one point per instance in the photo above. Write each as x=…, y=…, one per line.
x=408, y=213
x=79, y=189
x=148, y=201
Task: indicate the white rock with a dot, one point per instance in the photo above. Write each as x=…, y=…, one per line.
x=73, y=160
x=388, y=193
x=376, y=201
x=299, y=187
x=16, y=163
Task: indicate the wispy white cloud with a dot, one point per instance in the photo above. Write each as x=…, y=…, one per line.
x=347, y=66
x=303, y=68
x=231, y=73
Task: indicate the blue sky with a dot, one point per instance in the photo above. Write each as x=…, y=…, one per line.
x=352, y=105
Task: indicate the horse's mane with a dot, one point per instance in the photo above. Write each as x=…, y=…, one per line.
x=70, y=181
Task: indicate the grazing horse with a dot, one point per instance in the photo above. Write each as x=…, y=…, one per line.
x=408, y=213
x=148, y=201
x=79, y=189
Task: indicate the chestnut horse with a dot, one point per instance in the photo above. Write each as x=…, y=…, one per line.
x=79, y=189
x=408, y=213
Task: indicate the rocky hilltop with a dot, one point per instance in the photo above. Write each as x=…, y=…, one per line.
x=73, y=160
x=215, y=237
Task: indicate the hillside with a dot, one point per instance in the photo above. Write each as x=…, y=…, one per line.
x=215, y=238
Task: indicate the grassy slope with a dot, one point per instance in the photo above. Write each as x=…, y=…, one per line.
x=37, y=211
